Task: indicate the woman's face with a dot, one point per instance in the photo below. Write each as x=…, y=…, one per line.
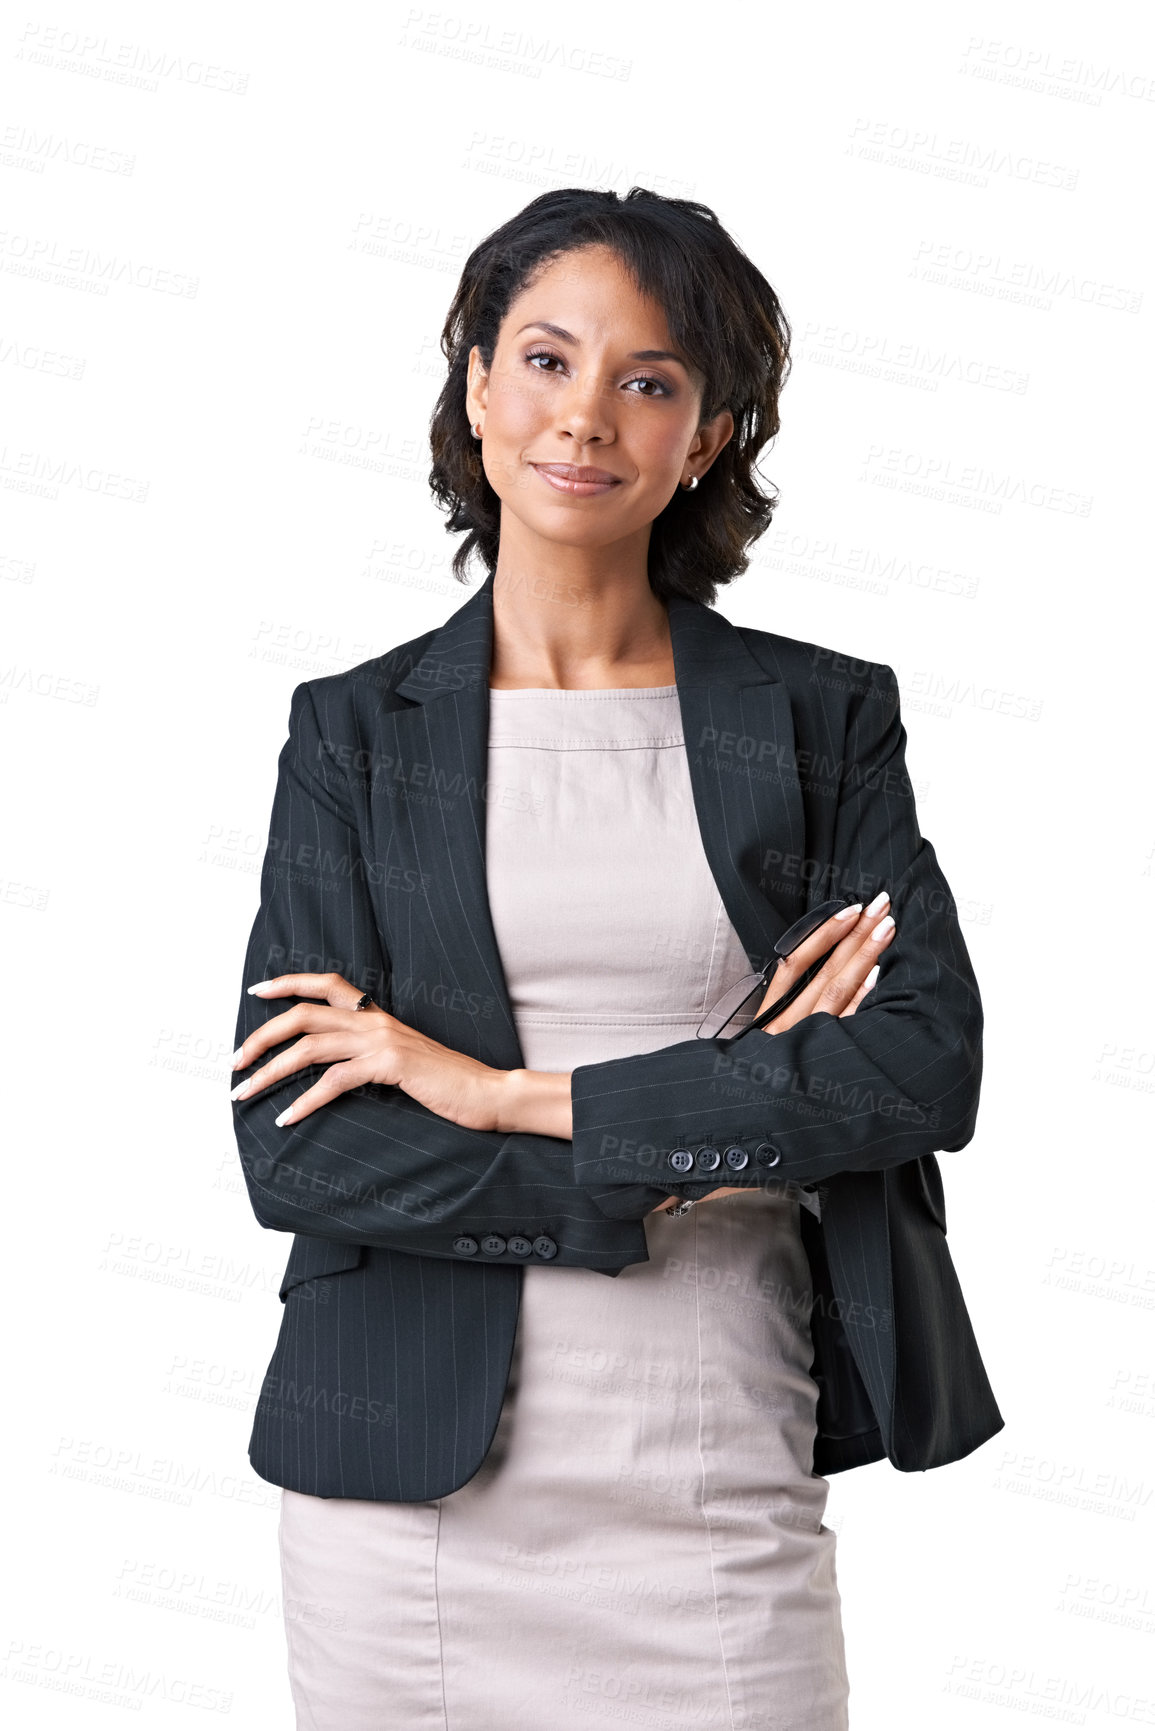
x=583, y=378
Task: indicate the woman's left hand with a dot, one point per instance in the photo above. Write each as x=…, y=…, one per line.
x=362, y=1046
x=838, y=988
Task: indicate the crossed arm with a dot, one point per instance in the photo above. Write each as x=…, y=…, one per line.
x=378, y=1049
x=372, y=1163
x=403, y=1142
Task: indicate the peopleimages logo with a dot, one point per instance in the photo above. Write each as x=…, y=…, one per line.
x=961, y=159
x=1022, y=281
x=995, y=487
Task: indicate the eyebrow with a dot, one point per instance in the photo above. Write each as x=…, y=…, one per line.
x=568, y=337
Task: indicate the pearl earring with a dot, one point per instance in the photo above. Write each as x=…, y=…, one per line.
x=688, y=486
x=476, y=429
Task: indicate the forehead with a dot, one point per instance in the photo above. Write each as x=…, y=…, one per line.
x=588, y=297
x=590, y=283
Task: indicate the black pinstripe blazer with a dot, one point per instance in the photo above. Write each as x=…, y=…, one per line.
x=403, y=1282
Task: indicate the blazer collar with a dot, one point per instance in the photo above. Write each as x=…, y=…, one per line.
x=707, y=649
x=739, y=734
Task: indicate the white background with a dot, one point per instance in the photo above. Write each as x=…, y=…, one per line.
x=228, y=242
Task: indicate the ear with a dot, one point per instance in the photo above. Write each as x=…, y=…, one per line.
x=477, y=387
x=710, y=438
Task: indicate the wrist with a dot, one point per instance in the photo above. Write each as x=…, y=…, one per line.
x=536, y=1102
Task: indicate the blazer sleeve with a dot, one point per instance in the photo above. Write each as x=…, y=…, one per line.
x=374, y=1166
x=898, y=1079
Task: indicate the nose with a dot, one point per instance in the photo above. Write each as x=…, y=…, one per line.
x=584, y=412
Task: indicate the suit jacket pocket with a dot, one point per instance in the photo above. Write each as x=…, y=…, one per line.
x=312, y=1257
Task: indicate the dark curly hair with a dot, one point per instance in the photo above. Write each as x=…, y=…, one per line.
x=721, y=312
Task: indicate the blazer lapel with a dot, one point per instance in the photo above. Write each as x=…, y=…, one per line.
x=446, y=739
x=739, y=734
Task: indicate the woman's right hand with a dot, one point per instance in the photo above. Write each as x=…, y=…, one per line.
x=837, y=988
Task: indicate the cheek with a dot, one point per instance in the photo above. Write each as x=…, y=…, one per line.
x=661, y=448
x=516, y=409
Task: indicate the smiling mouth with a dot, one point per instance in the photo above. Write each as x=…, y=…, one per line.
x=570, y=478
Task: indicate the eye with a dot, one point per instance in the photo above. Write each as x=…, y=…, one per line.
x=543, y=354
x=648, y=379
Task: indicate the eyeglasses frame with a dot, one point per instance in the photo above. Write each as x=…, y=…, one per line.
x=790, y=940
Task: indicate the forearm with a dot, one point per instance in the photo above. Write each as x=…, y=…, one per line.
x=375, y=1167
x=540, y=1103
x=897, y=1080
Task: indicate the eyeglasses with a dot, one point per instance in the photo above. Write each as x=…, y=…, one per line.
x=747, y=991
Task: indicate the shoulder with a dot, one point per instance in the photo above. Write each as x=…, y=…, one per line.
x=820, y=676
x=845, y=707
x=365, y=692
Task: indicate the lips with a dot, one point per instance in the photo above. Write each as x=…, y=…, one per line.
x=575, y=482
x=570, y=472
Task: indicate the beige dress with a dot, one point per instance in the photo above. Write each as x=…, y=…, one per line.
x=644, y=1542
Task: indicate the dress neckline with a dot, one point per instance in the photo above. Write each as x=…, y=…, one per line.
x=583, y=692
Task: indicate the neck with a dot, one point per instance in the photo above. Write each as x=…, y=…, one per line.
x=566, y=636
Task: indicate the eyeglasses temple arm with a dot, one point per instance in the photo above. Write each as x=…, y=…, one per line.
x=775, y=1008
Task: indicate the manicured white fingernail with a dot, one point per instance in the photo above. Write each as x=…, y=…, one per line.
x=237, y=1056
x=845, y=913
x=286, y=1115
x=260, y=986
x=879, y=901
x=871, y=977
x=881, y=929
x=239, y=1093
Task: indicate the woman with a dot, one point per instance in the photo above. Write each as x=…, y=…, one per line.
x=553, y=836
